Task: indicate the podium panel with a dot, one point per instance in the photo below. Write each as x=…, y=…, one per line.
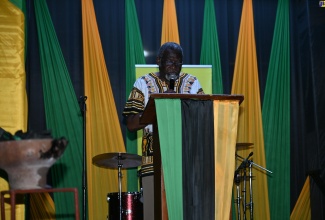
x=194, y=149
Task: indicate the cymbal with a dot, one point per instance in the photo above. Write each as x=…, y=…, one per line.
x=112, y=160
x=242, y=146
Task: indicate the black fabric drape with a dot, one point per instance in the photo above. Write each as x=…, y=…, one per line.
x=198, y=159
x=308, y=102
x=36, y=111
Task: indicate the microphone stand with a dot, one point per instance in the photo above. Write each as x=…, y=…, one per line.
x=251, y=190
x=237, y=182
x=82, y=101
x=243, y=166
x=251, y=162
x=244, y=197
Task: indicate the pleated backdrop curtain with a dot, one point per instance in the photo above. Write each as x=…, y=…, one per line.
x=13, y=100
x=210, y=46
x=134, y=55
x=197, y=145
x=250, y=128
x=63, y=116
x=276, y=116
x=169, y=23
x=103, y=131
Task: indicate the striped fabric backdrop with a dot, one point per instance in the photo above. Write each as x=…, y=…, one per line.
x=197, y=143
x=103, y=125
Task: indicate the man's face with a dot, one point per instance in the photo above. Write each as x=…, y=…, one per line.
x=170, y=63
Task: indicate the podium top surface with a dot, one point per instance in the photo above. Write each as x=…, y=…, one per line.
x=149, y=113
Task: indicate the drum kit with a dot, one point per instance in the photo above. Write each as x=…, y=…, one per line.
x=128, y=205
x=122, y=205
x=240, y=179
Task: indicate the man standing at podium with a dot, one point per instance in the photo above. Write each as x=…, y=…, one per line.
x=169, y=79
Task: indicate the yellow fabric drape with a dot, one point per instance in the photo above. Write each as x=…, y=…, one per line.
x=169, y=23
x=302, y=208
x=225, y=134
x=45, y=201
x=13, y=101
x=103, y=132
x=250, y=128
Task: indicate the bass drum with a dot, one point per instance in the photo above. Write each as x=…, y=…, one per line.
x=132, y=207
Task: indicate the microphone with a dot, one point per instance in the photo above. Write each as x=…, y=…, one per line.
x=172, y=78
x=171, y=84
x=243, y=164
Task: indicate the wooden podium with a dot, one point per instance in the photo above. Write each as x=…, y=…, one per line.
x=206, y=169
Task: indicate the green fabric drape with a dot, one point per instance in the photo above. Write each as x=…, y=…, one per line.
x=210, y=46
x=20, y=4
x=62, y=111
x=134, y=55
x=276, y=116
x=171, y=153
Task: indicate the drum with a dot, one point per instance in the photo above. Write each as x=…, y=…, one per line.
x=132, y=207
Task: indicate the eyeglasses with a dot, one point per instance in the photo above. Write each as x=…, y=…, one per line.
x=170, y=63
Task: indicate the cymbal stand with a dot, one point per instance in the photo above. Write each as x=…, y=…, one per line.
x=120, y=185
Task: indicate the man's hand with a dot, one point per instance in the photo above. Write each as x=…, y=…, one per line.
x=133, y=122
